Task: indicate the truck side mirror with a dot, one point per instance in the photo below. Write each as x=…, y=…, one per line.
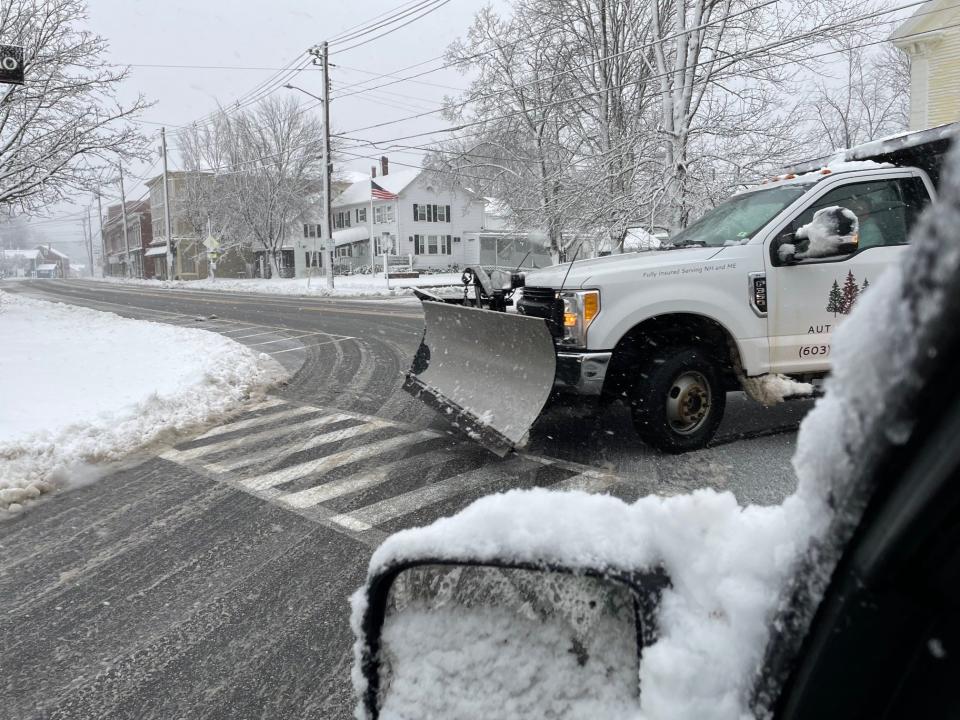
x=479, y=627
x=784, y=248
x=833, y=231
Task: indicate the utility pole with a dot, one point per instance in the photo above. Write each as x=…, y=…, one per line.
x=327, y=164
x=123, y=214
x=89, y=241
x=166, y=204
x=103, y=242
x=85, y=228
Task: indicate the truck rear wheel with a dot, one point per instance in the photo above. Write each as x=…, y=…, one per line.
x=678, y=400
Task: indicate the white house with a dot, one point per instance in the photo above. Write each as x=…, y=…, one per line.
x=405, y=214
x=931, y=37
x=413, y=219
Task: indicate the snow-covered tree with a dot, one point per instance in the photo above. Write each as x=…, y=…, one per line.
x=522, y=149
x=62, y=129
x=725, y=69
x=256, y=171
x=870, y=99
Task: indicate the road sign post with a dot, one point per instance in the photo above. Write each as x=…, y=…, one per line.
x=11, y=64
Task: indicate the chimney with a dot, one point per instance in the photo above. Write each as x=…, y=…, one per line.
x=373, y=171
x=384, y=166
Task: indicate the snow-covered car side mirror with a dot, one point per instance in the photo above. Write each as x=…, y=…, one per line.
x=442, y=638
x=833, y=231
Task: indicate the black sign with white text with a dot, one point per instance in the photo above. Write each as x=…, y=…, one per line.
x=11, y=64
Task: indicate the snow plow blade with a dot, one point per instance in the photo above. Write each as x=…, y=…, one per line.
x=490, y=373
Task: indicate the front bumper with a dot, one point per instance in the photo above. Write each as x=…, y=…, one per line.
x=581, y=373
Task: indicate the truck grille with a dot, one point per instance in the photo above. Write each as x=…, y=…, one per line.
x=542, y=302
x=539, y=294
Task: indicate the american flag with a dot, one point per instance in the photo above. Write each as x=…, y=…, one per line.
x=379, y=193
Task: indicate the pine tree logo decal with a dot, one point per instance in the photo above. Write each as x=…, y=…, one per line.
x=849, y=293
x=835, y=300
x=841, y=300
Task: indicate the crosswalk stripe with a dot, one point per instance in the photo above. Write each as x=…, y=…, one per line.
x=265, y=455
x=372, y=515
x=200, y=451
x=257, y=420
x=328, y=462
x=588, y=481
x=353, y=483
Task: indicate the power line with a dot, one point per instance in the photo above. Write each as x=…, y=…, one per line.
x=410, y=78
x=429, y=10
x=375, y=24
x=200, y=67
x=365, y=23
x=745, y=55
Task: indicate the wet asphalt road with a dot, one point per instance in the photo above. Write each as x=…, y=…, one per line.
x=211, y=579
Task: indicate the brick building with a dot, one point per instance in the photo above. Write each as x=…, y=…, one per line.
x=134, y=261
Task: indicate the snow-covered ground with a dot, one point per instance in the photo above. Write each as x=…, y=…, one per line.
x=80, y=387
x=344, y=286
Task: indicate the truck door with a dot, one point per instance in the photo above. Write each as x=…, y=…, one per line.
x=809, y=298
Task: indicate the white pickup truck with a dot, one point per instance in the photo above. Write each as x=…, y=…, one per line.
x=672, y=330
x=745, y=297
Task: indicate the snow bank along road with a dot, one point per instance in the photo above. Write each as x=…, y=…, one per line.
x=78, y=388
x=211, y=580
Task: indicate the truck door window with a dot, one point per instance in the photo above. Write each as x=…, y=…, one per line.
x=886, y=211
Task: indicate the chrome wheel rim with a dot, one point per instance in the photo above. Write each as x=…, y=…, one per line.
x=688, y=402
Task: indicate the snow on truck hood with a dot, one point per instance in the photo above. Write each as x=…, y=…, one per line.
x=583, y=270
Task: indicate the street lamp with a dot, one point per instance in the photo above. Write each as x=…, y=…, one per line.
x=288, y=86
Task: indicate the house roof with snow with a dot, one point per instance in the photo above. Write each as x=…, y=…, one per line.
x=359, y=192
x=47, y=250
x=933, y=17
x=29, y=254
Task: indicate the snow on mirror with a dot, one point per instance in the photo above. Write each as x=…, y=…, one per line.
x=483, y=642
x=832, y=231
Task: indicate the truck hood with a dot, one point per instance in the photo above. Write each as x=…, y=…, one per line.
x=583, y=270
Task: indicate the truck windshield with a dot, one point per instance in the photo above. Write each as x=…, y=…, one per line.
x=739, y=218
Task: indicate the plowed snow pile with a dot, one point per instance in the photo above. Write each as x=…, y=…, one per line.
x=78, y=387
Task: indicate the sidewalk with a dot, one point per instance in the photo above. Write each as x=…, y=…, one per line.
x=344, y=285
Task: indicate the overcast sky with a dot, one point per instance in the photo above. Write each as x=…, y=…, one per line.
x=235, y=34
x=232, y=34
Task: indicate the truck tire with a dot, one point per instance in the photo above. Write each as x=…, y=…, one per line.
x=678, y=400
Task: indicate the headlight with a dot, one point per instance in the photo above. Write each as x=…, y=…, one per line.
x=579, y=309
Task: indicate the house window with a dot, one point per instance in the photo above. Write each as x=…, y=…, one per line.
x=418, y=241
x=431, y=244
x=384, y=244
x=389, y=213
x=445, y=242
x=361, y=215
x=311, y=231
x=431, y=213
x=378, y=214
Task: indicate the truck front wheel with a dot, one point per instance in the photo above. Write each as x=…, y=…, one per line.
x=678, y=400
